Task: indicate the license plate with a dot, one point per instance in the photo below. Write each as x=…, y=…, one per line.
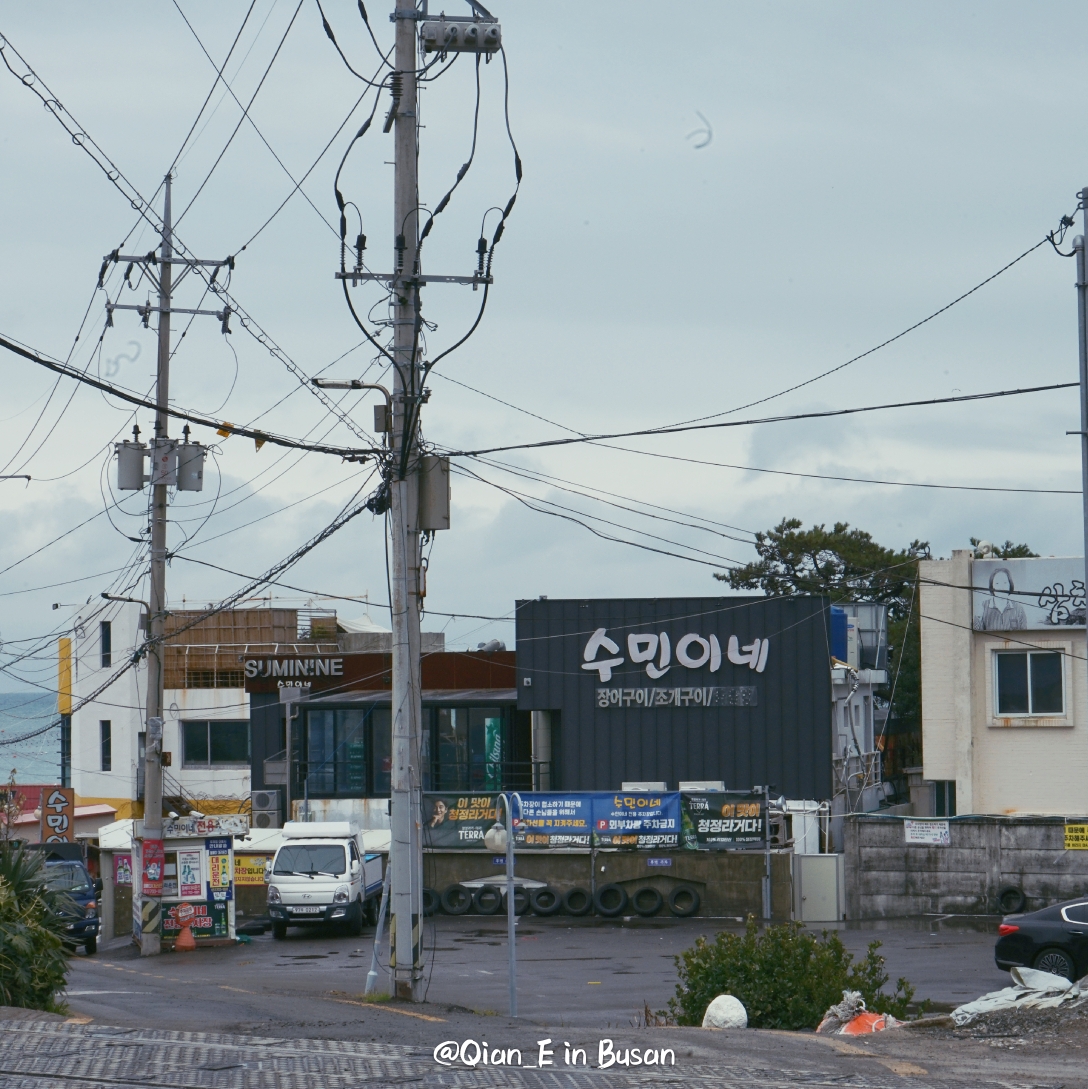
x=307, y=910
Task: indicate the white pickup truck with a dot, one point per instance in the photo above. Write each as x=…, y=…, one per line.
x=322, y=875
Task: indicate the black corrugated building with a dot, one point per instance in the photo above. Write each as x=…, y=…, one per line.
x=736, y=689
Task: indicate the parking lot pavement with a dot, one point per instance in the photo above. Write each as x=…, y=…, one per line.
x=584, y=974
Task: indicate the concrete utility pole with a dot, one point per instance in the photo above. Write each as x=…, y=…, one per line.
x=418, y=484
x=1082, y=342
x=151, y=906
x=405, y=816
x=172, y=465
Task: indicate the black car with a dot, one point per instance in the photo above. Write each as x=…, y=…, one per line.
x=72, y=879
x=1054, y=939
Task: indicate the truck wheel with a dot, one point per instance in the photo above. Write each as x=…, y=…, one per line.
x=373, y=906
x=355, y=925
x=430, y=902
x=90, y=946
x=279, y=931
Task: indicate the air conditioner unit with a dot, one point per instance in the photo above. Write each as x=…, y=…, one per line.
x=265, y=805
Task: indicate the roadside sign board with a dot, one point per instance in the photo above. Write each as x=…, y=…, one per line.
x=1076, y=837
x=927, y=833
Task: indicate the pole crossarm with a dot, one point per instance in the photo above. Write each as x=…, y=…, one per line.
x=394, y=280
x=142, y=310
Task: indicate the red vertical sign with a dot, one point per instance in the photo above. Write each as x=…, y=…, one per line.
x=154, y=861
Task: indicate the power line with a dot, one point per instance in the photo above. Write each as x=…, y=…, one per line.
x=191, y=417
x=766, y=419
x=82, y=139
x=218, y=74
x=883, y=344
x=572, y=516
x=245, y=116
x=727, y=465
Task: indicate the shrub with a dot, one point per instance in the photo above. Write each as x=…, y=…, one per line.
x=33, y=961
x=786, y=977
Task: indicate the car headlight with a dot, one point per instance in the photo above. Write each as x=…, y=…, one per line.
x=92, y=910
x=273, y=895
x=342, y=894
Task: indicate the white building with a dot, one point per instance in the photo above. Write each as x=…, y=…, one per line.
x=206, y=731
x=1004, y=685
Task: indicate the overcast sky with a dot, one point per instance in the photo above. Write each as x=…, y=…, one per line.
x=720, y=201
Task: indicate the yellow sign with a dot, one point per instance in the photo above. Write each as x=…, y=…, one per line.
x=249, y=869
x=1076, y=837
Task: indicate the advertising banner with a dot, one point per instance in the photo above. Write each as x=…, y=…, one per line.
x=636, y=820
x=1028, y=594
x=723, y=820
x=211, y=921
x=459, y=820
x=153, y=859
x=548, y=819
x=122, y=869
x=190, y=885
x=58, y=815
x=219, y=868
x=220, y=824
x=249, y=869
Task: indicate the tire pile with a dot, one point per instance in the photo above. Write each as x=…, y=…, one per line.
x=609, y=901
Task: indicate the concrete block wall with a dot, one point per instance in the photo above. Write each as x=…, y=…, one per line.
x=887, y=877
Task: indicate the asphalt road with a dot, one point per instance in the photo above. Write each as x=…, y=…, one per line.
x=291, y=1014
x=584, y=974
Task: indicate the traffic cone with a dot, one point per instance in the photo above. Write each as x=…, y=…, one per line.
x=185, y=942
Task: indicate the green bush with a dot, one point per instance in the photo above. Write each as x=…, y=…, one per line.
x=785, y=977
x=33, y=960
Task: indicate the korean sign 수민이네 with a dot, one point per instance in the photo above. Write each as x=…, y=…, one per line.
x=58, y=815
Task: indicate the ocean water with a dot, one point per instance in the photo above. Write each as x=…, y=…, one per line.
x=36, y=760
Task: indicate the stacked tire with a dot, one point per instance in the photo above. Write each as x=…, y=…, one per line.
x=609, y=901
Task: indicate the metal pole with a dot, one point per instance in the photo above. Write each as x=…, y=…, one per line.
x=372, y=975
x=1082, y=343
x=511, y=916
x=767, y=852
x=405, y=847
x=151, y=907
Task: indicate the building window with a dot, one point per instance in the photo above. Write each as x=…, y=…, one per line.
x=214, y=743
x=105, y=636
x=1029, y=683
x=470, y=748
x=105, y=741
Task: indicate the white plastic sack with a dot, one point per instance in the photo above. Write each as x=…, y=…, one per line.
x=1031, y=989
x=725, y=1012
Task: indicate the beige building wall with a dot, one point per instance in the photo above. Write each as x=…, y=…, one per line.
x=1014, y=765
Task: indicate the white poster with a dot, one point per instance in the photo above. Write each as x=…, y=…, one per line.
x=927, y=833
x=190, y=882
x=1028, y=594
